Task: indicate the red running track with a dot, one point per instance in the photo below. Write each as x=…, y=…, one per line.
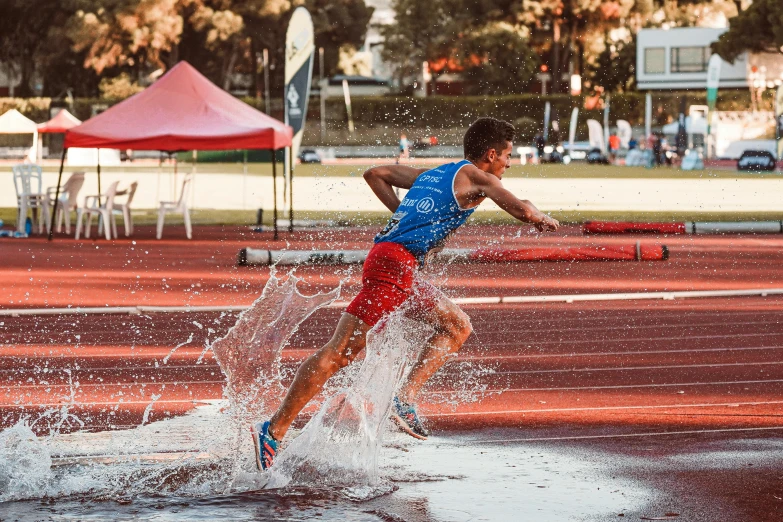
x=177, y=272
x=550, y=368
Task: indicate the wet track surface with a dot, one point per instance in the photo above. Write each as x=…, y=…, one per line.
x=678, y=404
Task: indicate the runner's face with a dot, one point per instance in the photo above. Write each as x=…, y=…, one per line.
x=502, y=161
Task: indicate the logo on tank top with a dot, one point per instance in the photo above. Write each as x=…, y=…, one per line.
x=425, y=205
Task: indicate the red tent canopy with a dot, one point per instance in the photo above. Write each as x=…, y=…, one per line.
x=62, y=122
x=181, y=111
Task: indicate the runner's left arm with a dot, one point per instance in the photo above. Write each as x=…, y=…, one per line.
x=382, y=180
x=521, y=209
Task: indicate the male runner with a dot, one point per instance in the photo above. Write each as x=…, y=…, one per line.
x=438, y=202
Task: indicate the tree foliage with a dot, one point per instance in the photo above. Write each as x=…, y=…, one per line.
x=497, y=60
x=756, y=29
x=73, y=43
x=615, y=67
x=30, y=35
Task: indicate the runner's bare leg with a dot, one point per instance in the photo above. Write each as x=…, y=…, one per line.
x=347, y=342
x=452, y=328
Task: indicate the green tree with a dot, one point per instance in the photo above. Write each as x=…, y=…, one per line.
x=416, y=36
x=337, y=23
x=497, y=60
x=757, y=29
x=615, y=68
x=572, y=23
x=28, y=34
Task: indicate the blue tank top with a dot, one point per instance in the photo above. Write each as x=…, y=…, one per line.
x=428, y=213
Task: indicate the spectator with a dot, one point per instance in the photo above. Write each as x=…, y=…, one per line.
x=614, y=146
x=404, y=148
x=656, y=148
x=539, y=143
x=433, y=140
x=632, y=143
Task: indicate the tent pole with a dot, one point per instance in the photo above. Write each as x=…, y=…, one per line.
x=291, y=189
x=57, y=195
x=99, y=177
x=274, y=188
x=244, y=180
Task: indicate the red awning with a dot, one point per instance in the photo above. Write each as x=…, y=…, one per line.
x=62, y=122
x=181, y=111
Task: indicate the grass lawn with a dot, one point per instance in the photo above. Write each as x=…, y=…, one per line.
x=574, y=170
x=248, y=217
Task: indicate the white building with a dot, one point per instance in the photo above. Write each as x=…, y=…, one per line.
x=383, y=14
x=677, y=59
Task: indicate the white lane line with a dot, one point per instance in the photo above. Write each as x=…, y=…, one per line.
x=629, y=327
x=108, y=403
x=479, y=357
x=614, y=436
x=618, y=387
x=625, y=368
x=605, y=408
x=626, y=339
x=143, y=385
x=567, y=298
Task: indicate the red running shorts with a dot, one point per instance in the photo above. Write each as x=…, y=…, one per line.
x=389, y=280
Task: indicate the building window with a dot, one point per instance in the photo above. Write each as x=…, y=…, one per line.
x=655, y=60
x=690, y=59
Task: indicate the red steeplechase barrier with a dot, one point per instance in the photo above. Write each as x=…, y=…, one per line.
x=629, y=227
x=631, y=252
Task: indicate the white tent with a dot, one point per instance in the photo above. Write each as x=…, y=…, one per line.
x=14, y=122
x=693, y=125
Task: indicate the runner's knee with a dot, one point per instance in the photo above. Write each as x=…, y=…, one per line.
x=334, y=358
x=458, y=327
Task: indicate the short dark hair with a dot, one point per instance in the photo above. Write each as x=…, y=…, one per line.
x=484, y=134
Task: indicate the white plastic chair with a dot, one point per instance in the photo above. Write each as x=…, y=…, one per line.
x=29, y=195
x=92, y=207
x=67, y=202
x=178, y=207
x=123, y=209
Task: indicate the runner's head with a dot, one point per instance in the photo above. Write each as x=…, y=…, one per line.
x=487, y=144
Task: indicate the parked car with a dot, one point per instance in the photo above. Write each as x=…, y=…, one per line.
x=309, y=156
x=756, y=160
x=595, y=156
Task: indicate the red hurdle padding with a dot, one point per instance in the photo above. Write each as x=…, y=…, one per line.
x=629, y=227
x=631, y=252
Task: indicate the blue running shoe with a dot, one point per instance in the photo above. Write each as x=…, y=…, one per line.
x=404, y=415
x=265, y=444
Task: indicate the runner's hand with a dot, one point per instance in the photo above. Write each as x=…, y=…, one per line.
x=547, y=224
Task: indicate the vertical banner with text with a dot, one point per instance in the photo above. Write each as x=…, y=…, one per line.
x=299, y=50
x=713, y=80
x=779, y=121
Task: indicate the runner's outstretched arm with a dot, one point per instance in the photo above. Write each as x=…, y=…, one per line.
x=383, y=179
x=521, y=209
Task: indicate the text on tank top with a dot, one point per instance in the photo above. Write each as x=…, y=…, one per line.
x=428, y=213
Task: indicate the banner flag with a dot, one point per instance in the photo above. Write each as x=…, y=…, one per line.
x=779, y=120
x=596, y=135
x=572, y=130
x=299, y=50
x=624, y=132
x=606, y=122
x=713, y=80
x=547, y=109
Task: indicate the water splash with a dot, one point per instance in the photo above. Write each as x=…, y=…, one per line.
x=249, y=354
x=339, y=446
x=25, y=464
x=198, y=454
